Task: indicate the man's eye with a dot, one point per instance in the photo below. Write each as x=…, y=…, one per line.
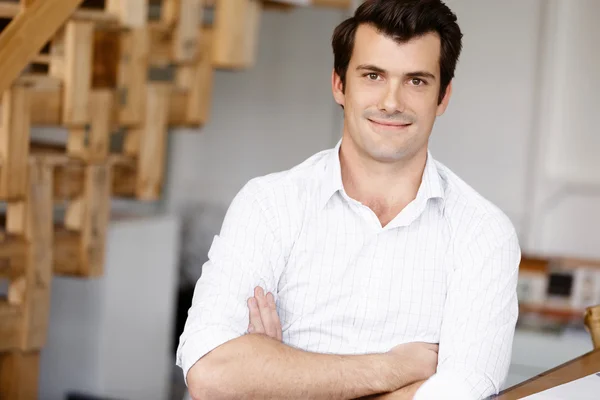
x=372, y=76
x=417, y=82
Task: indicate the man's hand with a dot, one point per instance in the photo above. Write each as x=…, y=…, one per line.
x=263, y=315
x=418, y=360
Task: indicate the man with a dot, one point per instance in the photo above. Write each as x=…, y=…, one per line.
x=339, y=278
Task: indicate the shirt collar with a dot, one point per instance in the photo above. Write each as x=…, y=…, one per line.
x=430, y=188
x=332, y=179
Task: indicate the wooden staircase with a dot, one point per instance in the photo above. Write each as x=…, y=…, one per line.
x=116, y=74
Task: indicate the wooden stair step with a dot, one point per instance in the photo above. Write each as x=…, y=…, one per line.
x=10, y=10
x=25, y=36
x=69, y=172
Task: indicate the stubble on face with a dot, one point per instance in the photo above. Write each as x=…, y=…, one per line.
x=390, y=96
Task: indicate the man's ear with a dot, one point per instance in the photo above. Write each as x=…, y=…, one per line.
x=338, y=88
x=441, y=108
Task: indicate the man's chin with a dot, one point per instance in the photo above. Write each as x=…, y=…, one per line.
x=387, y=155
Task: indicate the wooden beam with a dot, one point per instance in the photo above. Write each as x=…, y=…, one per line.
x=14, y=142
x=68, y=181
x=27, y=33
x=236, y=28
x=19, y=375
x=105, y=59
x=132, y=76
x=67, y=247
x=102, y=18
x=35, y=282
x=131, y=13
x=26, y=3
x=13, y=251
x=69, y=177
x=71, y=53
x=46, y=108
x=198, y=80
x=160, y=42
x=92, y=144
x=10, y=316
x=39, y=82
x=96, y=216
x=152, y=138
x=124, y=178
x=184, y=17
x=88, y=216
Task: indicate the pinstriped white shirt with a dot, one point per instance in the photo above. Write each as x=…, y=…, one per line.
x=443, y=271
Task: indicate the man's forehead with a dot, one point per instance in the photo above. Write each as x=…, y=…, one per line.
x=375, y=48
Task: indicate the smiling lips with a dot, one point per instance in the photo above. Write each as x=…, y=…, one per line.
x=389, y=124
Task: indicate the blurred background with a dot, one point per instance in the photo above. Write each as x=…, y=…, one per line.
x=521, y=128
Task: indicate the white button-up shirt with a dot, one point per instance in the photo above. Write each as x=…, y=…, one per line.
x=444, y=270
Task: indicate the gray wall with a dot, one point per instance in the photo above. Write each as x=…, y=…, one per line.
x=264, y=119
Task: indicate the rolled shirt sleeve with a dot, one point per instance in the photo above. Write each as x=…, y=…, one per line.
x=480, y=315
x=247, y=253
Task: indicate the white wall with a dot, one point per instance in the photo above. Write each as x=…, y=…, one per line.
x=565, y=194
x=485, y=134
x=264, y=119
x=111, y=336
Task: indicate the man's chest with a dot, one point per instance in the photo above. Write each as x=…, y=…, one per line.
x=343, y=280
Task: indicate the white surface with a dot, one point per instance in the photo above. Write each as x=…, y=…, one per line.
x=112, y=336
x=586, y=388
x=573, y=154
x=563, y=213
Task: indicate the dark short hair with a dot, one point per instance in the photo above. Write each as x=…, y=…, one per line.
x=402, y=20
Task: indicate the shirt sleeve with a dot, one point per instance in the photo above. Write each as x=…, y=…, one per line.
x=247, y=253
x=480, y=315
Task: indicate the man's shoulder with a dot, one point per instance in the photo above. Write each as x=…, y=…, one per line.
x=468, y=211
x=289, y=185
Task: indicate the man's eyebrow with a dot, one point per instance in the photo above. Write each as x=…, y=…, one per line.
x=372, y=68
x=421, y=74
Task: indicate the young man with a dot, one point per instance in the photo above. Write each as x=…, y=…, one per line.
x=371, y=255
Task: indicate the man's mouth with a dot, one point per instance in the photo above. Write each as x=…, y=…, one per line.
x=390, y=124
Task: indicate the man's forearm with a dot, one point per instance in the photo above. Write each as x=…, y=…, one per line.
x=257, y=366
x=405, y=393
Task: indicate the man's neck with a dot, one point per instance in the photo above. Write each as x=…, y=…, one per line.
x=386, y=188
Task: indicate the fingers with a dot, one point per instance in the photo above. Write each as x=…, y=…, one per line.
x=433, y=347
x=429, y=346
x=256, y=325
x=266, y=313
x=275, y=316
x=263, y=315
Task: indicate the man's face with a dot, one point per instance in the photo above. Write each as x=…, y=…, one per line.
x=391, y=95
